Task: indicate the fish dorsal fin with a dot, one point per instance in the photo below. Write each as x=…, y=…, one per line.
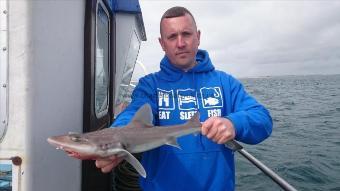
x=143, y=116
x=194, y=121
x=126, y=155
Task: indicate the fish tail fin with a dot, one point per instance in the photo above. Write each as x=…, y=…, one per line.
x=194, y=121
x=143, y=117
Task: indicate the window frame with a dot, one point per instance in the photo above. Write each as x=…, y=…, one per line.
x=92, y=178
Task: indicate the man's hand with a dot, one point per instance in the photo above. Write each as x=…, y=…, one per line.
x=218, y=129
x=107, y=164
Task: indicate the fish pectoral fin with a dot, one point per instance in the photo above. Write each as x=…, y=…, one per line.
x=172, y=141
x=126, y=155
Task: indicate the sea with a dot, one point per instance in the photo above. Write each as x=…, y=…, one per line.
x=304, y=147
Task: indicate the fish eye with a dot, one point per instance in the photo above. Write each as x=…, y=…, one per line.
x=75, y=137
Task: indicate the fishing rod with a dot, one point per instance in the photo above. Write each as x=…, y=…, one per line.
x=235, y=146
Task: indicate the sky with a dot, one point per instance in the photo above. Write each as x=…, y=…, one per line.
x=254, y=38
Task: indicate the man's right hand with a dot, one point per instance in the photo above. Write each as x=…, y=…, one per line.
x=107, y=164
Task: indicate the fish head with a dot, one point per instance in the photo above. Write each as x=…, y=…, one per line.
x=75, y=145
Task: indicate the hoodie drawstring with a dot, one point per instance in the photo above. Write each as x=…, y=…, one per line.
x=197, y=107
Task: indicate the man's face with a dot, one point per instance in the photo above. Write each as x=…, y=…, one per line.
x=180, y=40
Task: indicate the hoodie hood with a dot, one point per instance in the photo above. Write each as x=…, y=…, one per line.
x=171, y=73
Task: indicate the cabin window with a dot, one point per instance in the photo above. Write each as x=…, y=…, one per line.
x=124, y=89
x=102, y=79
x=99, y=65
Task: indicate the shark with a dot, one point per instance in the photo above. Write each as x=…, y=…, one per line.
x=138, y=136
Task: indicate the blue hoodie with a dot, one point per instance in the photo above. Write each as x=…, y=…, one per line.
x=175, y=96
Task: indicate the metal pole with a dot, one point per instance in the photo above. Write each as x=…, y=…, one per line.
x=235, y=146
x=276, y=178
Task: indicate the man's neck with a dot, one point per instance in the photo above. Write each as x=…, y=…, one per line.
x=190, y=67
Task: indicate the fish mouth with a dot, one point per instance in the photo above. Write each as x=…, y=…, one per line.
x=75, y=155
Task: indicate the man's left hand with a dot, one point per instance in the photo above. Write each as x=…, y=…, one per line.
x=218, y=129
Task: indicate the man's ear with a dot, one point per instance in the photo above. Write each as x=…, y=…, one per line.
x=161, y=43
x=199, y=36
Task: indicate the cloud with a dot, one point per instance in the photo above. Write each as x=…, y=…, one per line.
x=256, y=38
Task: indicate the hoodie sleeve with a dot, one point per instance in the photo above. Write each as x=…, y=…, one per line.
x=252, y=121
x=142, y=94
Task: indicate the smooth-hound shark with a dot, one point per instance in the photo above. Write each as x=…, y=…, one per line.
x=136, y=137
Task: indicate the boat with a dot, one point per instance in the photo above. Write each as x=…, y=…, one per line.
x=64, y=67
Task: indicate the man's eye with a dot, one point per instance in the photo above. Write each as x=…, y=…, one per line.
x=186, y=34
x=171, y=37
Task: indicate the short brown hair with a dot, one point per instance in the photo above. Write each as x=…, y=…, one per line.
x=176, y=12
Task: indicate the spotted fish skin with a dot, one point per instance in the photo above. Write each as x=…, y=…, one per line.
x=136, y=137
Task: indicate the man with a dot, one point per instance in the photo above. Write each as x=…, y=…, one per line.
x=187, y=83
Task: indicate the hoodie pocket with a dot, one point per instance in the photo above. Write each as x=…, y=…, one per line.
x=190, y=171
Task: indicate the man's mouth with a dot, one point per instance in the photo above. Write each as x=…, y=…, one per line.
x=181, y=53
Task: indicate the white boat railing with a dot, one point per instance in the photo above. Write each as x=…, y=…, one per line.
x=3, y=68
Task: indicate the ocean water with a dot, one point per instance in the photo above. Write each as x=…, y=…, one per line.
x=304, y=147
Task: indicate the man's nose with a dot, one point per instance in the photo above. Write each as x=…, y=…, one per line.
x=180, y=42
